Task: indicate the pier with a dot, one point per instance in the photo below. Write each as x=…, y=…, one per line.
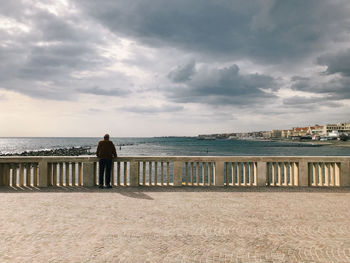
x=176, y=209
x=230, y=171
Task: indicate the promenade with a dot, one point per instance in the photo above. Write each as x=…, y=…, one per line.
x=167, y=224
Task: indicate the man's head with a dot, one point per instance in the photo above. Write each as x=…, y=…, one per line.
x=106, y=137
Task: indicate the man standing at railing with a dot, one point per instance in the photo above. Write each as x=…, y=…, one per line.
x=106, y=152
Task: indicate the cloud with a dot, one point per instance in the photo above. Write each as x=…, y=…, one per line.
x=219, y=57
x=337, y=62
x=336, y=88
x=47, y=62
x=310, y=102
x=104, y=92
x=148, y=109
x=42, y=52
x=182, y=73
x=268, y=31
x=94, y=111
x=224, y=86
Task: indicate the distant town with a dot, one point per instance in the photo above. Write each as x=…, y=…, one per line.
x=329, y=132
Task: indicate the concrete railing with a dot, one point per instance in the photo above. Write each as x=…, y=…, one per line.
x=178, y=171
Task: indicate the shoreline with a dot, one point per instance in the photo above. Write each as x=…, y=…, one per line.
x=319, y=143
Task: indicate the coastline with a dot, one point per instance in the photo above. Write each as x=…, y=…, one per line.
x=319, y=143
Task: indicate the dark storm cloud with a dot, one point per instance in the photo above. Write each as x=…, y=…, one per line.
x=59, y=57
x=182, y=73
x=224, y=86
x=336, y=62
x=50, y=62
x=334, y=89
x=41, y=61
x=271, y=31
x=152, y=109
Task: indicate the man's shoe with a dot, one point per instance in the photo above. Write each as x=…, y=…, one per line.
x=108, y=186
x=100, y=186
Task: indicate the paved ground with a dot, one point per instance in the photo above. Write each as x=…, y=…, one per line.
x=174, y=225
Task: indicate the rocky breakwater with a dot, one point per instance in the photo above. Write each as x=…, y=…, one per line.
x=73, y=151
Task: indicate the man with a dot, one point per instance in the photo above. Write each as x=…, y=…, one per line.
x=106, y=152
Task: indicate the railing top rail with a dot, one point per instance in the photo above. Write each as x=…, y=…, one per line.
x=6, y=159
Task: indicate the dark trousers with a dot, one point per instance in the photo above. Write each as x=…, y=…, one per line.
x=105, y=165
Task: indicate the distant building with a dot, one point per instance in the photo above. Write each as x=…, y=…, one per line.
x=339, y=127
x=333, y=134
x=285, y=133
x=276, y=134
x=266, y=134
x=299, y=131
x=317, y=130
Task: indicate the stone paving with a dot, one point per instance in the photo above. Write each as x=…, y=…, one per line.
x=175, y=225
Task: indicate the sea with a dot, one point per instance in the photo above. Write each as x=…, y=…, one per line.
x=175, y=146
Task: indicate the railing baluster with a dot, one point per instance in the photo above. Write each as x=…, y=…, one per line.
x=74, y=174
x=156, y=173
x=162, y=173
x=279, y=167
x=314, y=178
x=337, y=174
x=118, y=173
x=203, y=173
x=296, y=173
x=28, y=174
x=210, y=173
x=61, y=174
x=227, y=182
x=244, y=174
x=8, y=169
x=186, y=173
x=149, y=173
x=233, y=173
x=251, y=165
x=80, y=174
x=144, y=173
x=54, y=175
x=332, y=168
x=167, y=173
x=326, y=174
x=256, y=173
x=291, y=174
x=49, y=174
x=67, y=173
x=35, y=174
x=239, y=175
x=192, y=173
x=14, y=176
x=244, y=171
x=320, y=174
x=125, y=173
x=21, y=174
x=138, y=173
x=285, y=174
x=197, y=173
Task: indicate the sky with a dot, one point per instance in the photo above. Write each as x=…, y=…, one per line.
x=172, y=68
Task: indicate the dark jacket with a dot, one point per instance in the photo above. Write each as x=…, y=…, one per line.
x=106, y=150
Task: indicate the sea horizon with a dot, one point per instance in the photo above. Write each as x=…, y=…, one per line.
x=174, y=145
